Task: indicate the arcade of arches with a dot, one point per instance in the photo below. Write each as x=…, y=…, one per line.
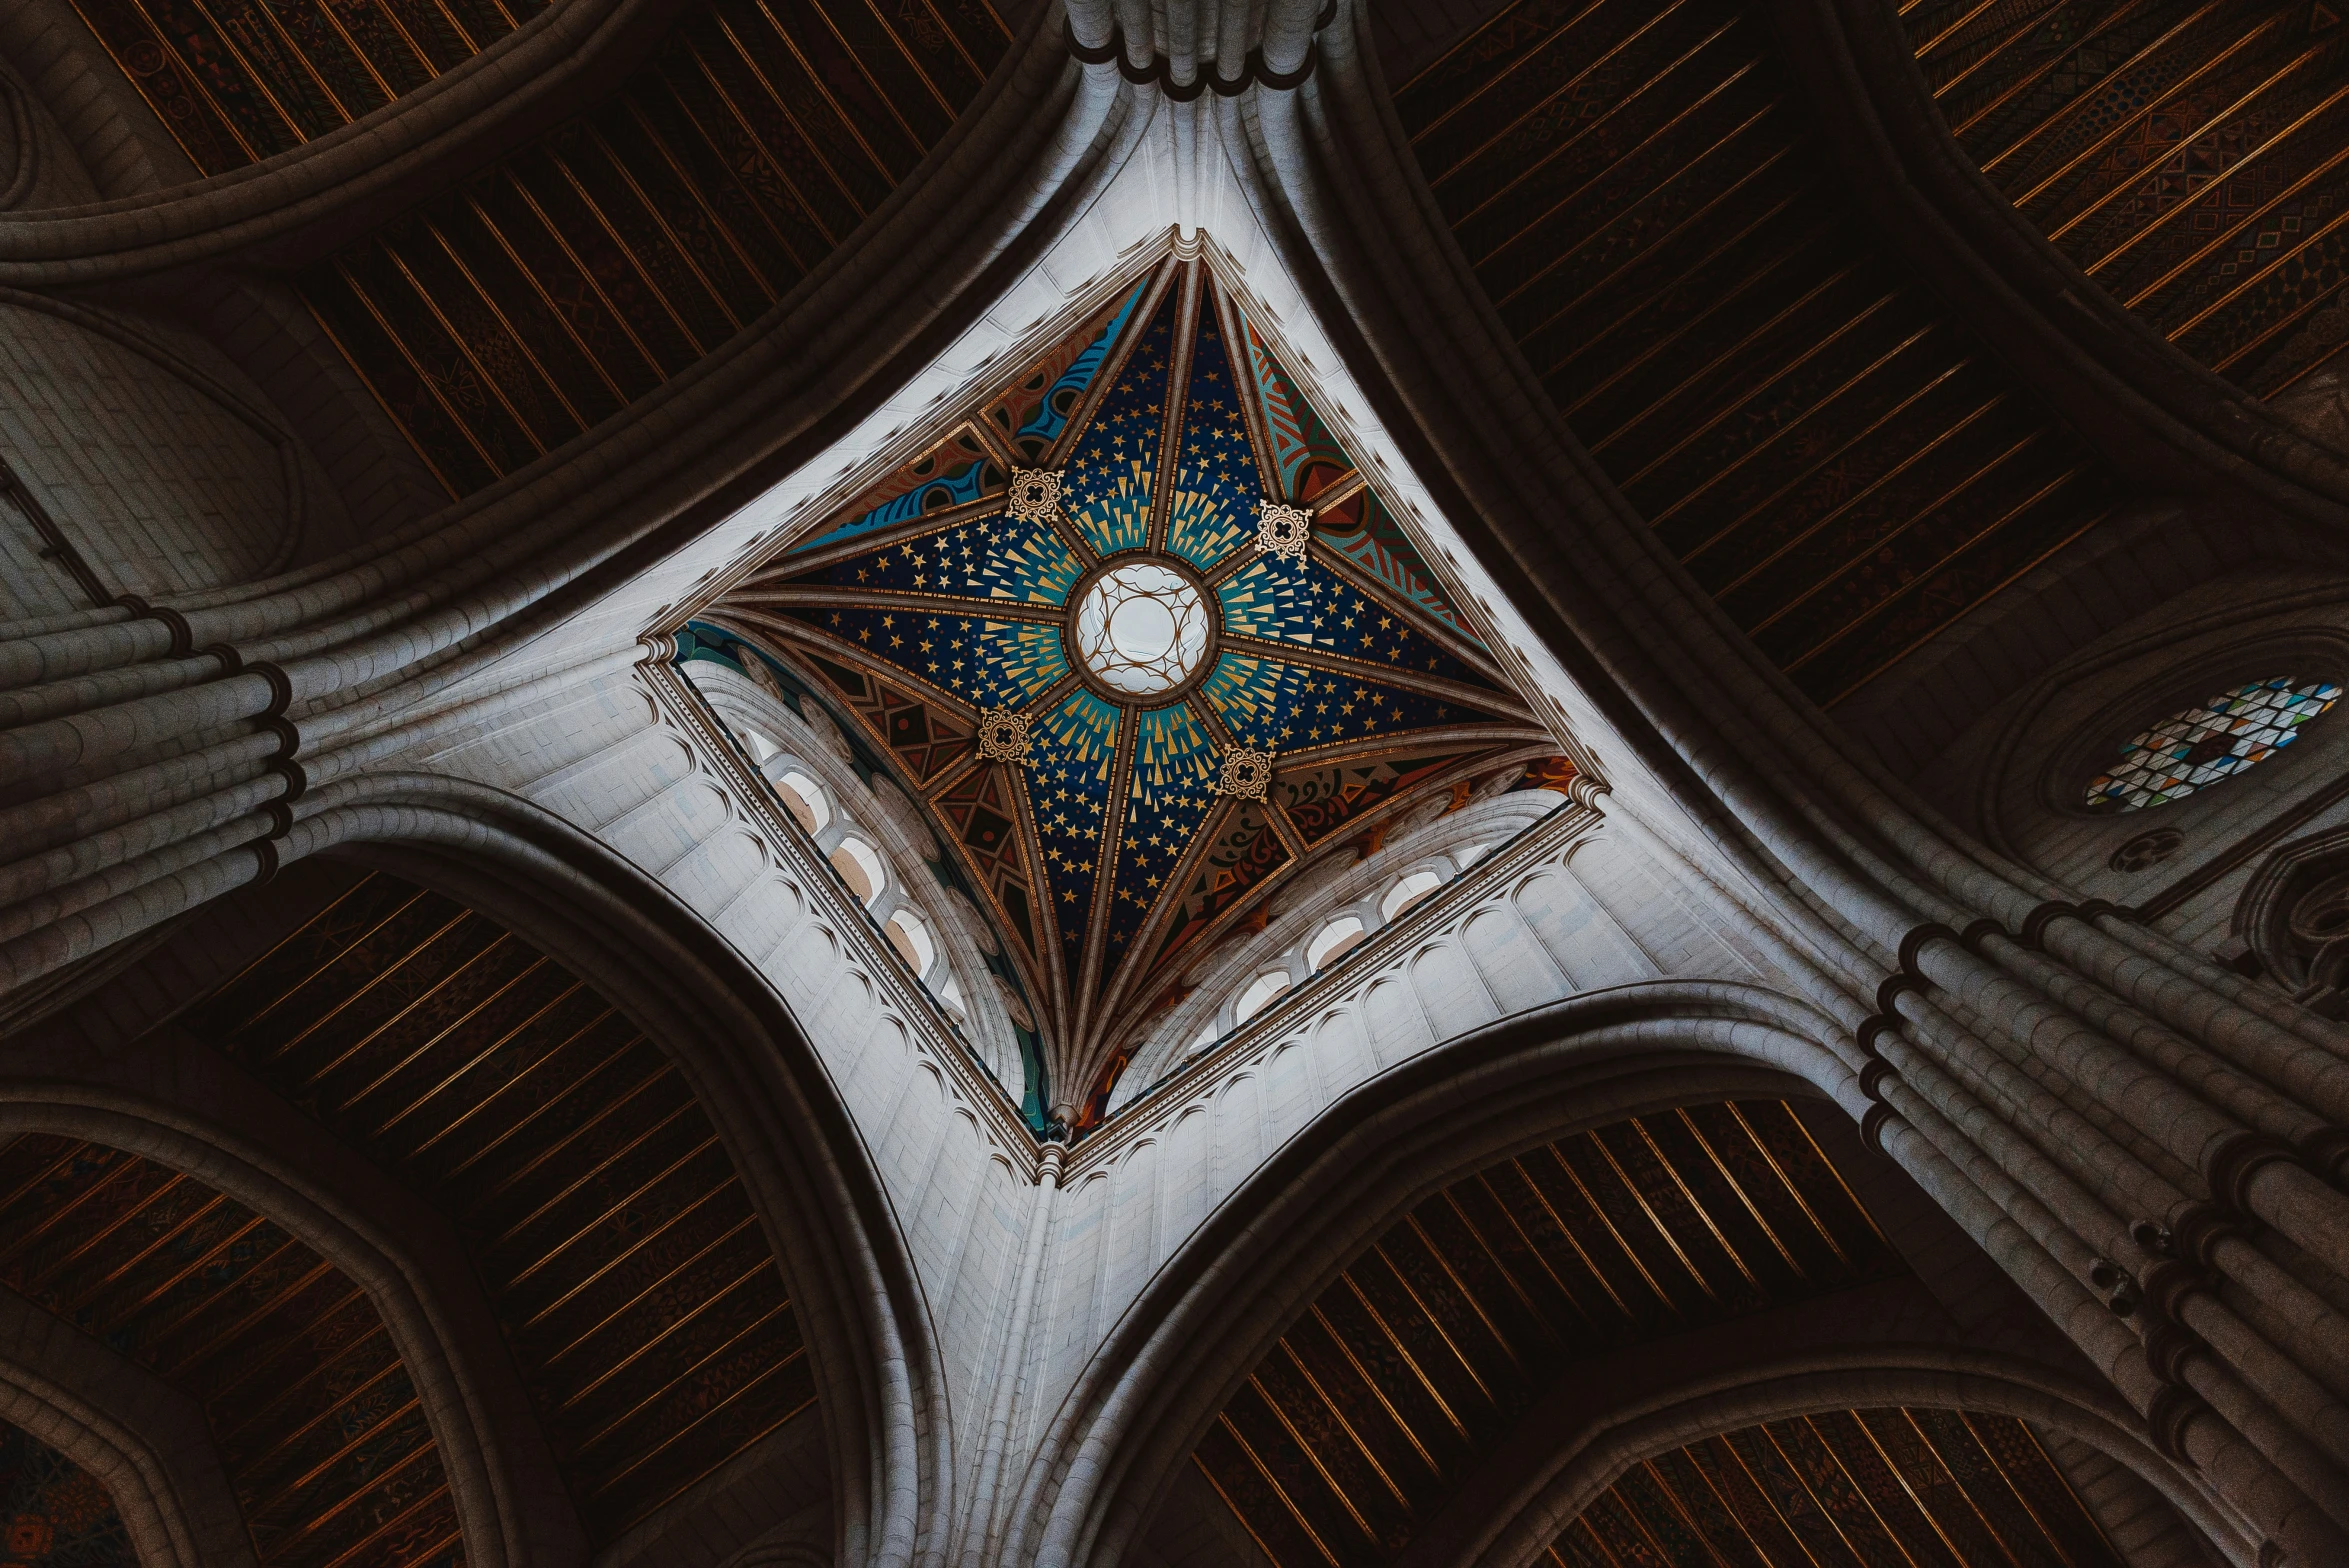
x=1222, y=784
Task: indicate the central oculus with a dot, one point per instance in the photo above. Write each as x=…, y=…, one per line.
x=1141, y=629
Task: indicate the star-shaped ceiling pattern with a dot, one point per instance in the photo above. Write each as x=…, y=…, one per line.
x=1128, y=830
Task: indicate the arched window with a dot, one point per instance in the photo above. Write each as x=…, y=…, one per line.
x=761, y=747
x=859, y=865
x=1407, y=892
x=1259, y=994
x=805, y=799
x=2199, y=746
x=1333, y=941
x=909, y=933
x=1472, y=854
x=1208, y=1034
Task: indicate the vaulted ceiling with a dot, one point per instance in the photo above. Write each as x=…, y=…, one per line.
x=579, y=272
x=638, y=1292
x=1407, y=1374
x=238, y=83
x=1831, y=452
x=616, y=1243
x=321, y=1431
x=2191, y=158
x=1844, y=1489
x=57, y=1514
x=1113, y=837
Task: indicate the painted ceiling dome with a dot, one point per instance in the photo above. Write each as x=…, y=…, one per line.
x=1143, y=639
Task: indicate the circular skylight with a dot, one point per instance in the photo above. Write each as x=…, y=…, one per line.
x=1141, y=629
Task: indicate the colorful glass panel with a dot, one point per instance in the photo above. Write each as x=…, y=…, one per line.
x=2197, y=747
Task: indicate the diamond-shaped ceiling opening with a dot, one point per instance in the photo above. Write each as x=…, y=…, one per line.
x=1189, y=646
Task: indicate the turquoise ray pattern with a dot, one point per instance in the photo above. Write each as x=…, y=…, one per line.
x=991, y=557
x=1113, y=468
x=1069, y=791
x=1168, y=799
x=1281, y=707
x=1304, y=602
x=1216, y=488
x=1085, y=806
x=988, y=664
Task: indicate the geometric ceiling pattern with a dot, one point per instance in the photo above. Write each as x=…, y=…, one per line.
x=57, y=1514
x=582, y=271
x=2193, y=160
x=1297, y=670
x=1837, y=460
x=620, y=1252
x=320, y=1429
x=1404, y=1375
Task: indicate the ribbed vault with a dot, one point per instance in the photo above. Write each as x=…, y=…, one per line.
x=620, y=1250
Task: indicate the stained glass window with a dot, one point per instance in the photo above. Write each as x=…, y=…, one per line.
x=2216, y=740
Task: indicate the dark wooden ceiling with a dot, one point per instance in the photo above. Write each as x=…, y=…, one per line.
x=57, y=1514
x=550, y=290
x=1844, y=1489
x=320, y=1429
x=2191, y=157
x=238, y=82
x=540, y=297
x=636, y=1287
x=1834, y=456
x=1407, y=1373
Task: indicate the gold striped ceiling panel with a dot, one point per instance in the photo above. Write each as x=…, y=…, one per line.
x=1844, y=1489
x=239, y=80
x=320, y=1429
x=2192, y=156
x=1404, y=1375
x=1837, y=460
x=636, y=1287
x=545, y=294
